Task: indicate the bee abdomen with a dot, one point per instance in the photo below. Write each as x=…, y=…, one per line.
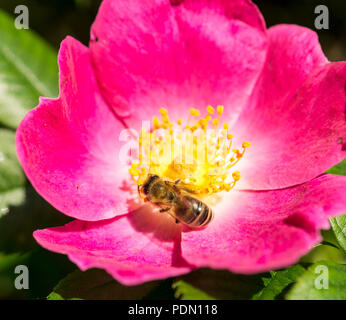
x=195, y=214
x=205, y=216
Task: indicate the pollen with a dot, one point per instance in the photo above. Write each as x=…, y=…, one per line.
x=197, y=152
x=210, y=109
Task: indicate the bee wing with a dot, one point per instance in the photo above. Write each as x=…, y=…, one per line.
x=179, y=186
x=189, y=188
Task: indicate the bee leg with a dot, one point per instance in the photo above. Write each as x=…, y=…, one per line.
x=139, y=192
x=176, y=221
x=177, y=181
x=164, y=210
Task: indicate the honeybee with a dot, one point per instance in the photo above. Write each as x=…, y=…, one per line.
x=176, y=201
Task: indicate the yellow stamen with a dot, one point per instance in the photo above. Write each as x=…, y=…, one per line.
x=163, y=112
x=246, y=144
x=220, y=110
x=210, y=109
x=156, y=122
x=216, y=122
x=194, y=112
x=236, y=175
x=200, y=160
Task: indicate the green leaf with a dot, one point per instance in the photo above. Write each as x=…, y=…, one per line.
x=186, y=291
x=340, y=168
x=28, y=69
x=322, y=252
x=207, y=284
x=8, y=262
x=38, y=262
x=278, y=281
x=309, y=285
x=14, y=197
x=339, y=223
x=329, y=238
x=339, y=227
x=17, y=226
x=11, y=175
x=55, y=296
x=95, y=284
x=12, y=179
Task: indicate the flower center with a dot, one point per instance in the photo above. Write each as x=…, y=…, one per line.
x=197, y=153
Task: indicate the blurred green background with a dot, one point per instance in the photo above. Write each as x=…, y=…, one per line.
x=53, y=20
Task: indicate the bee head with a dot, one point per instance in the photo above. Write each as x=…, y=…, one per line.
x=144, y=188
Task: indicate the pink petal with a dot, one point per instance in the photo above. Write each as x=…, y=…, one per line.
x=265, y=230
x=69, y=147
x=151, y=54
x=296, y=115
x=138, y=247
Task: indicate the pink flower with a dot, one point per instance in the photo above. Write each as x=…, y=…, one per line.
x=278, y=91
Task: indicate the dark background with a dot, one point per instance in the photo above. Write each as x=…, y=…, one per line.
x=54, y=20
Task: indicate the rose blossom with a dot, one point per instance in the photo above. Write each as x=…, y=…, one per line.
x=278, y=91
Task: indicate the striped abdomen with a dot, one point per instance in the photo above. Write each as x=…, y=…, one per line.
x=193, y=212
